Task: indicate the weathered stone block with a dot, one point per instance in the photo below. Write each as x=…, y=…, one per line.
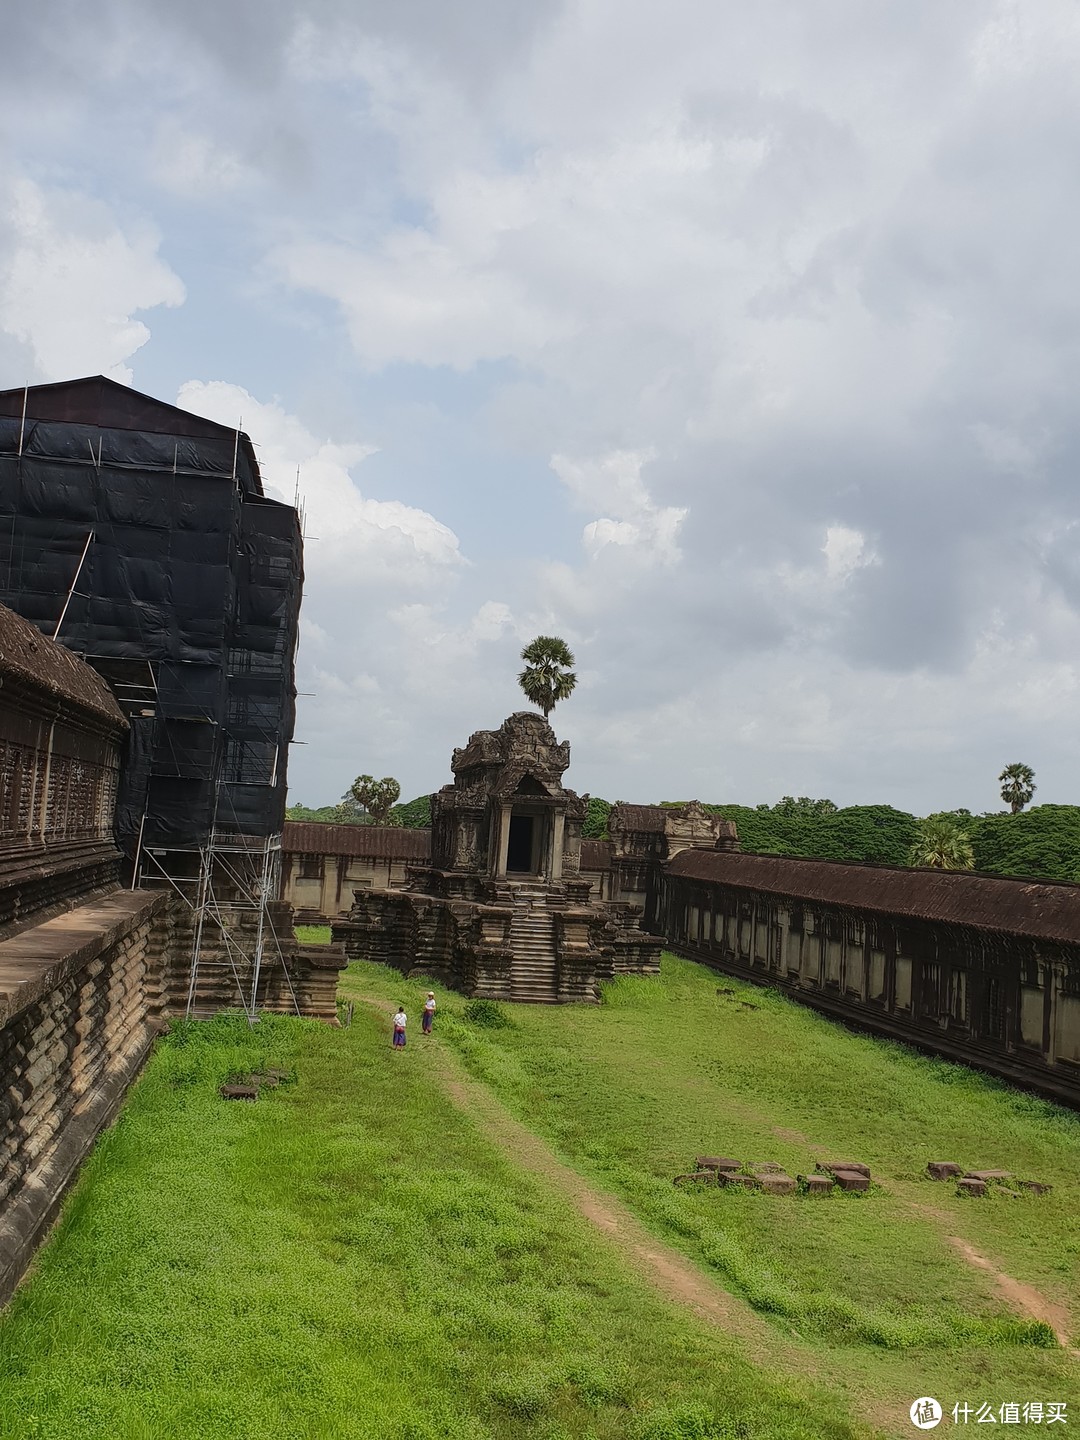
x=851, y=1180
x=987, y=1175
x=716, y=1162
x=968, y=1185
x=738, y=1182
x=238, y=1092
x=943, y=1170
x=817, y=1184
x=1036, y=1187
x=830, y=1167
x=777, y=1184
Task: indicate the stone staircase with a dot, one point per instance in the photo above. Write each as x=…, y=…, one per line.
x=532, y=944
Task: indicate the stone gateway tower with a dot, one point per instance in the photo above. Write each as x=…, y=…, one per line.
x=502, y=910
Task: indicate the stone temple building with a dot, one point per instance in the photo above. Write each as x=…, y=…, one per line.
x=502, y=908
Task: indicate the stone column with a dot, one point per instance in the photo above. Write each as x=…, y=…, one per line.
x=558, y=821
x=502, y=842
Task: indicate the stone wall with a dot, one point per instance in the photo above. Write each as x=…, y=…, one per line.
x=979, y=969
x=294, y=979
x=80, y=997
x=322, y=866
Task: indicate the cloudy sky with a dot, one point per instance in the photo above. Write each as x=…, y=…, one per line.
x=737, y=344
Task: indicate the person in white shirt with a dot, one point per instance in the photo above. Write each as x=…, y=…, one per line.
x=429, y=1012
x=400, y=1021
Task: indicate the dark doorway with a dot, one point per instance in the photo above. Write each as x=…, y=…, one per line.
x=519, y=851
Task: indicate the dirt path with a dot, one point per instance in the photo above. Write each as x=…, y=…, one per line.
x=1024, y=1298
x=661, y=1266
x=667, y=1270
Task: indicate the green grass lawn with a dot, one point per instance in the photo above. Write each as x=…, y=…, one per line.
x=630, y=1091
x=349, y=1257
x=313, y=934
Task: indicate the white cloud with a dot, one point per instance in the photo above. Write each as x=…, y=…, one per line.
x=613, y=482
x=72, y=281
x=782, y=304
x=361, y=542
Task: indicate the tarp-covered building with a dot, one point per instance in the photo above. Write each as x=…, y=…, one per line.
x=140, y=536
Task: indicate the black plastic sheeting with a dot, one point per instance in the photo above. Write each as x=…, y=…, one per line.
x=191, y=568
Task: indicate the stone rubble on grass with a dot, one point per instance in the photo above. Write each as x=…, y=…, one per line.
x=777, y=1184
x=772, y=1179
x=817, y=1184
x=968, y=1182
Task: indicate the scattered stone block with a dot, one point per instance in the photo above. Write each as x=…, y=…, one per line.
x=851, y=1167
x=777, y=1184
x=817, y=1184
x=851, y=1179
x=729, y=1177
x=944, y=1170
x=716, y=1162
x=238, y=1092
x=1036, y=1187
x=968, y=1185
x=987, y=1174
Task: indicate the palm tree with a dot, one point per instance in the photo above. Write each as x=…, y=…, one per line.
x=941, y=844
x=376, y=797
x=1017, y=786
x=547, y=677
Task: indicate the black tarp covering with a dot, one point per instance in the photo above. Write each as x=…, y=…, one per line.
x=190, y=568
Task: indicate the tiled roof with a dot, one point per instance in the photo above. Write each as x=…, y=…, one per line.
x=1045, y=909
x=27, y=653
x=373, y=842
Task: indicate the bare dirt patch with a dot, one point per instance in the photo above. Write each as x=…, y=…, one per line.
x=794, y=1137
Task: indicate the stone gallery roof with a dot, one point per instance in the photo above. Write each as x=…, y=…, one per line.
x=1044, y=909
x=640, y=818
x=28, y=654
x=596, y=854
x=370, y=842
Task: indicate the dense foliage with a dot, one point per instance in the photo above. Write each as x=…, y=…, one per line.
x=877, y=833
x=413, y=815
x=594, y=826
x=943, y=843
x=1044, y=841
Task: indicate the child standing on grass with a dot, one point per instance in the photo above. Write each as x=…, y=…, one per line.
x=400, y=1021
x=429, y=1012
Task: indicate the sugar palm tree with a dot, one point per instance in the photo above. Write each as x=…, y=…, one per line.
x=942, y=845
x=547, y=677
x=1017, y=786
